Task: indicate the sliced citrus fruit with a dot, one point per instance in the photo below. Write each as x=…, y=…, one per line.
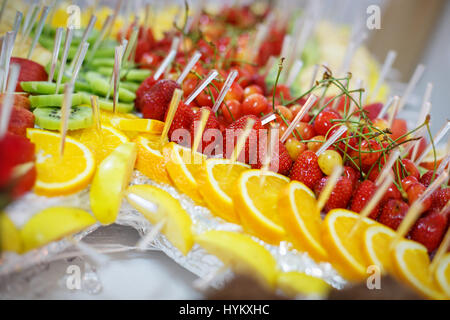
x=377, y=240
x=411, y=263
x=428, y=160
x=183, y=167
x=110, y=182
x=256, y=203
x=158, y=205
x=298, y=283
x=58, y=175
x=139, y=125
x=241, y=253
x=101, y=144
x=217, y=185
x=442, y=274
x=53, y=224
x=106, y=118
x=10, y=239
x=344, y=249
x=300, y=217
x=150, y=160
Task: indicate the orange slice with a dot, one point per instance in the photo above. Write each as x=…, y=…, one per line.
x=106, y=118
x=345, y=252
x=442, y=274
x=60, y=176
x=256, y=204
x=377, y=241
x=411, y=263
x=298, y=211
x=139, y=125
x=217, y=185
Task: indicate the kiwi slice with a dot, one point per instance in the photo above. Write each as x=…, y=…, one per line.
x=106, y=104
x=53, y=100
x=101, y=86
x=50, y=118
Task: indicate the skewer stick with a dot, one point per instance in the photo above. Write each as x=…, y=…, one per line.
x=143, y=243
x=114, y=17
x=146, y=20
x=174, y=46
x=314, y=75
x=8, y=53
x=226, y=87
x=101, y=36
x=387, y=65
x=195, y=57
x=308, y=104
x=443, y=247
x=261, y=34
x=86, y=34
x=65, y=113
x=329, y=186
x=17, y=22
x=387, y=167
x=8, y=102
x=68, y=40
x=199, y=128
x=177, y=94
x=84, y=48
x=438, y=137
x=269, y=64
x=365, y=212
x=391, y=101
x=130, y=45
x=424, y=112
x=96, y=114
x=268, y=118
x=411, y=85
x=210, y=77
x=240, y=144
x=417, y=207
x=270, y=150
x=28, y=16
x=293, y=73
x=394, y=112
x=443, y=165
x=339, y=132
x=38, y=32
x=32, y=21
x=116, y=75
x=166, y=62
x=56, y=47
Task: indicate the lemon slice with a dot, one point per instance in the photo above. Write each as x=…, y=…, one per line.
x=345, y=252
x=10, y=239
x=60, y=176
x=140, y=125
x=150, y=161
x=110, y=181
x=241, y=253
x=377, y=241
x=298, y=283
x=158, y=205
x=52, y=224
x=298, y=211
x=411, y=263
x=183, y=167
x=443, y=274
x=217, y=185
x=256, y=204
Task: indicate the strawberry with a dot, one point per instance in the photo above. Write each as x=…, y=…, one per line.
x=407, y=169
x=372, y=110
x=143, y=89
x=439, y=199
x=142, y=47
x=29, y=71
x=182, y=120
x=209, y=139
x=430, y=229
x=20, y=120
x=362, y=196
x=414, y=192
x=156, y=101
x=352, y=174
x=19, y=101
x=341, y=194
x=391, y=193
x=280, y=162
x=306, y=169
x=427, y=176
x=393, y=213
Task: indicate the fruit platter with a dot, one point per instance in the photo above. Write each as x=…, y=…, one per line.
x=228, y=137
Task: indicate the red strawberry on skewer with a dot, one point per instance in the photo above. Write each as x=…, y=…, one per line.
x=362, y=196
x=341, y=194
x=155, y=102
x=393, y=213
x=306, y=169
x=29, y=71
x=212, y=123
x=429, y=230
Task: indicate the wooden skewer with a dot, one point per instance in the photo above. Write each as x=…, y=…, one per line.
x=387, y=65
x=424, y=111
x=56, y=47
x=271, y=148
x=300, y=42
x=411, y=85
x=174, y=46
x=394, y=113
x=33, y=19
x=441, y=251
x=240, y=144
x=199, y=128
x=329, y=186
x=116, y=75
x=84, y=38
x=191, y=63
x=68, y=40
x=131, y=44
x=226, y=87
x=443, y=164
x=261, y=33
x=38, y=32
x=438, y=137
x=84, y=48
x=391, y=101
x=17, y=22
x=30, y=13
x=8, y=102
x=314, y=75
x=146, y=20
x=339, y=132
x=268, y=118
x=164, y=64
x=177, y=94
x=210, y=77
x=101, y=36
x=65, y=113
x=96, y=114
x=387, y=167
x=308, y=104
x=8, y=53
x=427, y=106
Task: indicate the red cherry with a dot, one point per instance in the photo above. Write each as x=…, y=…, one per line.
x=231, y=111
x=189, y=85
x=323, y=123
x=399, y=128
x=251, y=89
x=414, y=192
x=150, y=60
x=235, y=93
x=255, y=104
x=286, y=112
x=369, y=154
x=204, y=98
x=408, y=182
x=409, y=166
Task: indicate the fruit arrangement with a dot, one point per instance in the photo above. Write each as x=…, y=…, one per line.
x=326, y=168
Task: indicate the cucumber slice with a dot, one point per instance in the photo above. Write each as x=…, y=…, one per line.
x=50, y=118
x=102, y=62
x=137, y=75
x=101, y=86
x=44, y=87
x=53, y=100
x=132, y=86
x=106, y=104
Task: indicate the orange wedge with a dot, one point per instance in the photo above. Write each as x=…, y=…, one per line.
x=106, y=118
x=100, y=144
x=217, y=185
x=442, y=274
x=150, y=160
x=411, y=263
x=60, y=176
x=300, y=216
x=345, y=252
x=183, y=167
x=139, y=125
x=256, y=204
x=377, y=241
